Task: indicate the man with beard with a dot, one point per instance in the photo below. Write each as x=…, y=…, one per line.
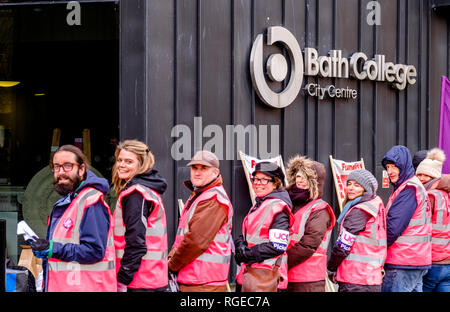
x=78, y=251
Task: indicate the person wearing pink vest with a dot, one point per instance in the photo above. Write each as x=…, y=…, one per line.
x=201, y=253
x=408, y=225
x=429, y=173
x=140, y=231
x=78, y=251
x=267, y=227
x=314, y=221
x=357, y=258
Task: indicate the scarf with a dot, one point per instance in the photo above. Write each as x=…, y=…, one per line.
x=299, y=197
x=347, y=206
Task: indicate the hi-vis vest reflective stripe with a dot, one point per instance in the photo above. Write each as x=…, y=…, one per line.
x=72, y=276
x=255, y=229
x=364, y=263
x=413, y=247
x=153, y=271
x=212, y=266
x=315, y=267
x=440, y=240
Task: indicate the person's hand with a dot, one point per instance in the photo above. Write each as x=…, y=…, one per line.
x=332, y=276
x=238, y=242
x=121, y=287
x=41, y=247
x=243, y=254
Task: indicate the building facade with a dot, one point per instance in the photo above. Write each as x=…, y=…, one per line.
x=180, y=75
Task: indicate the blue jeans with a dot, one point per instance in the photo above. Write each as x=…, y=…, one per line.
x=437, y=279
x=403, y=280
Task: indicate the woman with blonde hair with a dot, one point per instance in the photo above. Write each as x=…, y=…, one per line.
x=140, y=234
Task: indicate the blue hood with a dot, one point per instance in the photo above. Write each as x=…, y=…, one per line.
x=98, y=183
x=400, y=156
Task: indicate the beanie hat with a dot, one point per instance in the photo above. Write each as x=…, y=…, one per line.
x=366, y=179
x=418, y=157
x=432, y=165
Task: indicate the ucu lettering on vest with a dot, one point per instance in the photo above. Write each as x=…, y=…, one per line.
x=279, y=236
x=349, y=238
x=283, y=237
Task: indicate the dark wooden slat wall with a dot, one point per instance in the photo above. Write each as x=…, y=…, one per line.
x=190, y=58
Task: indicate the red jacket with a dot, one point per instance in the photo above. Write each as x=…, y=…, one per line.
x=72, y=276
x=255, y=229
x=212, y=266
x=153, y=272
x=314, y=268
x=367, y=255
x=440, y=225
x=413, y=246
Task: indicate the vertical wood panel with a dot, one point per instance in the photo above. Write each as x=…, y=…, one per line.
x=294, y=119
x=208, y=76
x=159, y=121
x=386, y=121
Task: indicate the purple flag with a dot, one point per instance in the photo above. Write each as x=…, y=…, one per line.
x=444, y=123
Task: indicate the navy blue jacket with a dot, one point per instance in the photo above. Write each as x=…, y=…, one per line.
x=93, y=227
x=405, y=204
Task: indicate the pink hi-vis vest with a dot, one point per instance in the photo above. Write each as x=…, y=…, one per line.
x=212, y=266
x=72, y=276
x=440, y=240
x=315, y=267
x=366, y=259
x=153, y=271
x=256, y=228
x=413, y=246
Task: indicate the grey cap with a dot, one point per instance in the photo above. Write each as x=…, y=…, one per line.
x=366, y=179
x=205, y=158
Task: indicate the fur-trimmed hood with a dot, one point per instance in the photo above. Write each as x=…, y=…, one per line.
x=312, y=170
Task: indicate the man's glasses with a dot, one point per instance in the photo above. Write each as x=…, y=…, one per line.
x=262, y=181
x=66, y=167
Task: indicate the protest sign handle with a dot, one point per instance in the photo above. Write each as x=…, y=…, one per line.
x=335, y=182
x=247, y=178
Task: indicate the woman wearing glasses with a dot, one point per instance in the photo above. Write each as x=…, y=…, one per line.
x=265, y=232
x=140, y=235
x=314, y=221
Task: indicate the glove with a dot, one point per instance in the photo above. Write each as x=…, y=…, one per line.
x=332, y=276
x=121, y=287
x=41, y=247
x=238, y=242
x=243, y=254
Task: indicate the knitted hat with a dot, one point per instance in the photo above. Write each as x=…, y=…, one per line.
x=432, y=165
x=366, y=179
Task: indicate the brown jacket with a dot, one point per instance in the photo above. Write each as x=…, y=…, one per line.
x=207, y=220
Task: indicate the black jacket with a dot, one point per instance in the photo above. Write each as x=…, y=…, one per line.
x=135, y=209
x=281, y=221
